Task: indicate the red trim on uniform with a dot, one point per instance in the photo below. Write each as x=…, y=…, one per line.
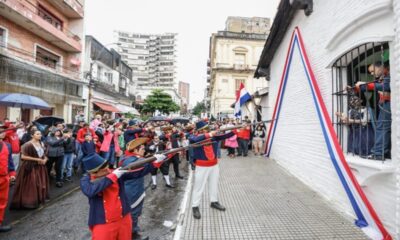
x=112, y=203
x=4, y=154
x=121, y=229
x=370, y=86
x=206, y=163
x=12, y=174
x=209, y=151
x=4, y=188
x=112, y=177
x=157, y=165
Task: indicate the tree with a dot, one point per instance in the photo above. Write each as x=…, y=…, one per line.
x=161, y=101
x=199, y=108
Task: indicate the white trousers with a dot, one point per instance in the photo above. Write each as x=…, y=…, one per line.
x=201, y=175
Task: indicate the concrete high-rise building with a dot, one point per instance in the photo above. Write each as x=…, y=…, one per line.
x=183, y=91
x=152, y=58
x=256, y=25
x=234, y=55
x=41, y=46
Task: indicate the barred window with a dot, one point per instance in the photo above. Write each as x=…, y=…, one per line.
x=47, y=58
x=3, y=37
x=361, y=101
x=238, y=82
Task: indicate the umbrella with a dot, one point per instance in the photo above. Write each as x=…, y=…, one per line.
x=49, y=120
x=181, y=120
x=158, y=119
x=19, y=100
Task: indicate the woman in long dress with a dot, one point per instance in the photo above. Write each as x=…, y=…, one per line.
x=32, y=185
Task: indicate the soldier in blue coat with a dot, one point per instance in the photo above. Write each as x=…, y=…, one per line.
x=135, y=150
x=207, y=168
x=109, y=217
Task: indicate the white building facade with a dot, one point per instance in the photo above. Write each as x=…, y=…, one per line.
x=110, y=80
x=234, y=55
x=341, y=39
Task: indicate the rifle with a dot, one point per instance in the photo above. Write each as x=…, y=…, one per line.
x=242, y=126
x=140, y=163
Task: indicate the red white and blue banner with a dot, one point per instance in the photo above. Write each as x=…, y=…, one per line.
x=367, y=219
x=242, y=96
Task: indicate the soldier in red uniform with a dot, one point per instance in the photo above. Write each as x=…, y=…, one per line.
x=109, y=217
x=7, y=174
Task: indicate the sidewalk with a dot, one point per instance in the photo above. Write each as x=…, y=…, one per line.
x=265, y=202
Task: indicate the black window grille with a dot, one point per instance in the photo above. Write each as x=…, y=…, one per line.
x=361, y=112
x=2, y=37
x=47, y=58
x=49, y=17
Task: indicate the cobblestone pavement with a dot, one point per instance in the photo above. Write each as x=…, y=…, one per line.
x=265, y=202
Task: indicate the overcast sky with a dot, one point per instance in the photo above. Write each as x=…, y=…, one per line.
x=194, y=21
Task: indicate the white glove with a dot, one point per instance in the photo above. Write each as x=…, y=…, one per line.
x=152, y=147
x=119, y=172
x=159, y=158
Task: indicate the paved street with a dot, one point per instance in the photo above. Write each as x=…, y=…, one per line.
x=66, y=219
x=264, y=202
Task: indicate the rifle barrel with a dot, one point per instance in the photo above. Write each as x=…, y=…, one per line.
x=140, y=163
x=242, y=126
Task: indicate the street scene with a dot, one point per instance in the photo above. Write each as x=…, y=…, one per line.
x=179, y=120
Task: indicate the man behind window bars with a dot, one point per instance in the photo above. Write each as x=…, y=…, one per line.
x=381, y=86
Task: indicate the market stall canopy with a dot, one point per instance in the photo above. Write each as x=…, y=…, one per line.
x=19, y=100
x=127, y=109
x=107, y=107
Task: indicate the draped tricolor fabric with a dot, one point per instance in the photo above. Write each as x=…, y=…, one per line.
x=242, y=96
x=367, y=219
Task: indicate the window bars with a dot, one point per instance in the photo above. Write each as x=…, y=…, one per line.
x=361, y=112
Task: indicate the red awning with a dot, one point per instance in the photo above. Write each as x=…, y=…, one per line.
x=107, y=107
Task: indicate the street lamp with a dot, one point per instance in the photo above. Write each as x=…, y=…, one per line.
x=90, y=76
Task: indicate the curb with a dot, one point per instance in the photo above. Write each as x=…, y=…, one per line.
x=45, y=206
x=182, y=208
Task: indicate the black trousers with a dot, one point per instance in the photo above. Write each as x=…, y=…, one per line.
x=243, y=146
x=164, y=169
x=58, y=162
x=231, y=151
x=175, y=162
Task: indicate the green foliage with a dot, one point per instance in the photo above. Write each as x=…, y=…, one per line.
x=129, y=115
x=199, y=108
x=159, y=100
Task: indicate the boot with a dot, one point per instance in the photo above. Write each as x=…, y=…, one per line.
x=196, y=213
x=5, y=228
x=138, y=236
x=218, y=206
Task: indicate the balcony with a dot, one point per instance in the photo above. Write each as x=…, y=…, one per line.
x=240, y=67
x=27, y=16
x=33, y=59
x=70, y=8
x=19, y=76
x=234, y=67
